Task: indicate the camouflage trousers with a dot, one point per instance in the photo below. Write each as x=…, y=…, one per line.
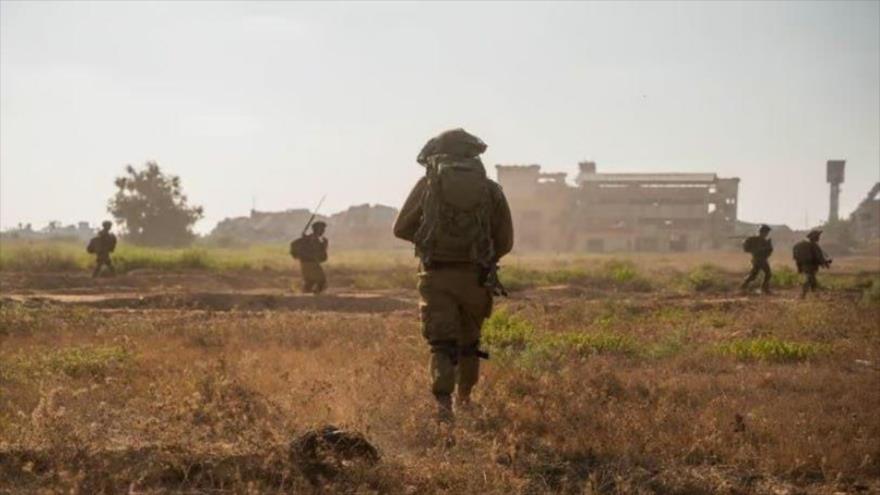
x=810, y=281
x=102, y=261
x=759, y=266
x=452, y=309
x=313, y=276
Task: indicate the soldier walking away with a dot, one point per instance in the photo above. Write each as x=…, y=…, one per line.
x=311, y=251
x=760, y=247
x=101, y=246
x=809, y=257
x=460, y=223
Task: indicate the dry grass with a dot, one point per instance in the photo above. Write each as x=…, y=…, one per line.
x=604, y=385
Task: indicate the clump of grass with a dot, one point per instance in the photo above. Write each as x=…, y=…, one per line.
x=516, y=277
x=770, y=349
x=131, y=258
x=41, y=258
x=585, y=344
x=622, y=274
x=75, y=362
x=503, y=330
x=706, y=277
x=513, y=334
x=785, y=277
x=670, y=345
x=871, y=294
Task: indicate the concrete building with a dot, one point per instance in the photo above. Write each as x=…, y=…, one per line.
x=619, y=211
x=866, y=218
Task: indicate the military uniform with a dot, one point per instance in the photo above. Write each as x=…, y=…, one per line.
x=311, y=251
x=809, y=258
x=101, y=246
x=453, y=300
x=760, y=247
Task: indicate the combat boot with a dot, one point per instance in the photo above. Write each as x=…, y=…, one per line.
x=444, y=408
x=463, y=403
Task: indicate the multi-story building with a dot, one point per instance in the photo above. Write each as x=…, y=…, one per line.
x=619, y=211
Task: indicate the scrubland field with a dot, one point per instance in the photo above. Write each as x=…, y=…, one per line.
x=200, y=371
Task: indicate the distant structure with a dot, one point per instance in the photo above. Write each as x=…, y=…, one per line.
x=619, y=211
x=866, y=217
x=834, y=176
x=80, y=231
x=359, y=227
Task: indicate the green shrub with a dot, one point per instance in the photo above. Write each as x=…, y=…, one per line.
x=785, y=277
x=503, y=330
x=770, y=349
x=706, y=277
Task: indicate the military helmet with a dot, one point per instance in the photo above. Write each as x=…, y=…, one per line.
x=106, y=224
x=456, y=142
x=764, y=228
x=319, y=225
x=814, y=234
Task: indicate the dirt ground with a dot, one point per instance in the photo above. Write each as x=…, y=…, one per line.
x=202, y=382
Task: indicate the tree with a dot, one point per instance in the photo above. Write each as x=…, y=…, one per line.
x=153, y=208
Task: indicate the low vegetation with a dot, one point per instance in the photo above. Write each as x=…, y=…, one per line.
x=771, y=350
x=606, y=376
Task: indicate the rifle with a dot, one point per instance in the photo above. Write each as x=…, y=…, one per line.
x=312, y=218
x=491, y=280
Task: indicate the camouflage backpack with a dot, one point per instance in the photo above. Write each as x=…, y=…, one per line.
x=456, y=212
x=750, y=245
x=802, y=252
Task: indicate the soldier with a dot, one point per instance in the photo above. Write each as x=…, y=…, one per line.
x=760, y=247
x=809, y=257
x=311, y=251
x=460, y=231
x=101, y=246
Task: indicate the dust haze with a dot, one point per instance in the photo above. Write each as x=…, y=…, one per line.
x=459, y=248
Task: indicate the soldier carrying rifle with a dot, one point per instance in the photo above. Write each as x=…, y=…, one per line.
x=101, y=246
x=311, y=250
x=809, y=257
x=760, y=247
x=460, y=223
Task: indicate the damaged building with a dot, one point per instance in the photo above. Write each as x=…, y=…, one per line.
x=619, y=211
x=359, y=227
x=866, y=217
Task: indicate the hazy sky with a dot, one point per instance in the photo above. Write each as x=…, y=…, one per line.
x=283, y=102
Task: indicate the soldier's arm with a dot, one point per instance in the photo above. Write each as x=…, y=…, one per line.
x=502, y=225
x=407, y=222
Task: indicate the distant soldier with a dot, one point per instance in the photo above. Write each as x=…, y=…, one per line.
x=101, y=246
x=760, y=247
x=311, y=251
x=460, y=223
x=809, y=257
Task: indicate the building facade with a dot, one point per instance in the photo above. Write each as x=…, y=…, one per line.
x=604, y=212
